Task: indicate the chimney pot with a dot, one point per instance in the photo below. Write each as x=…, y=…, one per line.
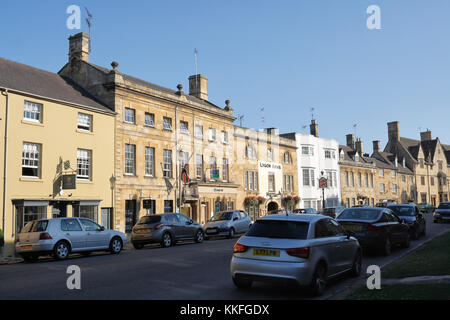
x=359, y=146
x=79, y=46
x=376, y=146
x=198, y=86
x=393, y=131
x=350, y=141
x=425, y=136
x=314, y=128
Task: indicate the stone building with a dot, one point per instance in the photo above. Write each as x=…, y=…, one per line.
x=427, y=158
x=358, y=174
x=56, y=150
x=265, y=168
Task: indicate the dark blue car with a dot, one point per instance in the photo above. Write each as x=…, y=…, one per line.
x=411, y=215
x=442, y=213
x=375, y=228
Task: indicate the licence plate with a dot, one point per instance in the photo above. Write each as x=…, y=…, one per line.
x=210, y=231
x=266, y=252
x=143, y=230
x=27, y=248
x=353, y=227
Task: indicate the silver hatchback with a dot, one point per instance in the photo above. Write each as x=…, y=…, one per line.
x=62, y=236
x=305, y=249
x=227, y=223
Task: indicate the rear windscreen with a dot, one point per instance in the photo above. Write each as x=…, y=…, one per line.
x=403, y=210
x=444, y=206
x=279, y=229
x=360, y=214
x=149, y=219
x=35, y=226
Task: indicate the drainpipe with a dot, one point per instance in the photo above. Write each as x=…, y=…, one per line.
x=5, y=162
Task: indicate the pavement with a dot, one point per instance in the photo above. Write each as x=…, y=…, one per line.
x=187, y=271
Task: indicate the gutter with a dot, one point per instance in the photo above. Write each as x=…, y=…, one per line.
x=5, y=164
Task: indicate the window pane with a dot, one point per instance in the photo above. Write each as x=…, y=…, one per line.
x=83, y=164
x=130, y=157
x=31, y=160
x=149, y=161
x=32, y=111
x=84, y=121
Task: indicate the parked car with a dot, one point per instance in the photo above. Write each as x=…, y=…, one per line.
x=426, y=207
x=305, y=249
x=411, y=215
x=280, y=211
x=166, y=229
x=384, y=204
x=442, y=213
x=305, y=211
x=227, y=223
x=333, y=212
x=376, y=228
x=62, y=236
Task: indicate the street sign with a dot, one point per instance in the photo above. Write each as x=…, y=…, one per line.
x=323, y=183
x=215, y=173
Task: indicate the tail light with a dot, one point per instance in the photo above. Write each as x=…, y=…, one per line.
x=18, y=239
x=372, y=228
x=132, y=230
x=299, y=252
x=238, y=248
x=45, y=236
x=158, y=226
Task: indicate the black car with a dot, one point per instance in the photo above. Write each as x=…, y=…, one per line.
x=375, y=228
x=410, y=214
x=442, y=213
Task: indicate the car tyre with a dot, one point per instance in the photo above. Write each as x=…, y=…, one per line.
x=319, y=280
x=242, y=283
x=166, y=240
x=138, y=246
x=357, y=264
x=231, y=233
x=387, y=247
x=199, y=236
x=61, y=250
x=115, y=246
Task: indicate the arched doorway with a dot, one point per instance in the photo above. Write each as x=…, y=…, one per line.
x=272, y=206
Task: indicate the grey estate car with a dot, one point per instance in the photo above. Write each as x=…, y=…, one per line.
x=61, y=236
x=304, y=249
x=227, y=223
x=166, y=229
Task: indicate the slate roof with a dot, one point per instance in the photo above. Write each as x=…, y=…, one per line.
x=428, y=147
x=30, y=80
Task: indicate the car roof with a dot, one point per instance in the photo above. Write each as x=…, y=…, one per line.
x=295, y=217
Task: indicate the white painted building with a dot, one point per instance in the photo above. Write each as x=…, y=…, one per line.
x=317, y=157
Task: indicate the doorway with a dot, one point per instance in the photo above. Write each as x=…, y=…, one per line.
x=130, y=215
x=59, y=210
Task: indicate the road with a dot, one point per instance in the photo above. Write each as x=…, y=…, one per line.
x=186, y=271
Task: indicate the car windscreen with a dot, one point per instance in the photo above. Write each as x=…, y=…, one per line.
x=444, y=206
x=403, y=210
x=279, y=229
x=35, y=226
x=149, y=219
x=222, y=216
x=360, y=214
x=329, y=210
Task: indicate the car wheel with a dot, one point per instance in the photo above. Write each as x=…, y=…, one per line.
x=199, y=236
x=357, y=264
x=138, y=246
x=231, y=233
x=115, y=246
x=407, y=241
x=61, y=250
x=319, y=280
x=242, y=283
x=166, y=240
x=387, y=247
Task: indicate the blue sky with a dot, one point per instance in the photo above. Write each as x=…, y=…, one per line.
x=285, y=56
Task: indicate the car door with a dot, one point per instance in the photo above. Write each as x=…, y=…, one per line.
x=325, y=243
x=245, y=221
x=398, y=229
x=345, y=248
x=95, y=237
x=72, y=231
x=235, y=221
x=172, y=221
x=187, y=229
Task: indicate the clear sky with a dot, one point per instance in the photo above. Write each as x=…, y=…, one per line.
x=285, y=56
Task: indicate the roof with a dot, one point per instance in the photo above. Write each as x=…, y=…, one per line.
x=153, y=86
x=45, y=84
x=413, y=146
x=295, y=217
x=349, y=155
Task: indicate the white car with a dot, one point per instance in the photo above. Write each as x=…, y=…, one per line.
x=305, y=249
x=62, y=236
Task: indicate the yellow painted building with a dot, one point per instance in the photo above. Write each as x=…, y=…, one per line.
x=56, y=150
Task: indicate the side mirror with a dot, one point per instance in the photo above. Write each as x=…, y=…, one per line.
x=235, y=218
x=102, y=228
x=190, y=222
x=350, y=234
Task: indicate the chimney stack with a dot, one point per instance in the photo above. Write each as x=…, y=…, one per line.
x=79, y=46
x=314, y=128
x=359, y=147
x=198, y=86
x=393, y=131
x=350, y=141
x=425, y=136
x=376, y=146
